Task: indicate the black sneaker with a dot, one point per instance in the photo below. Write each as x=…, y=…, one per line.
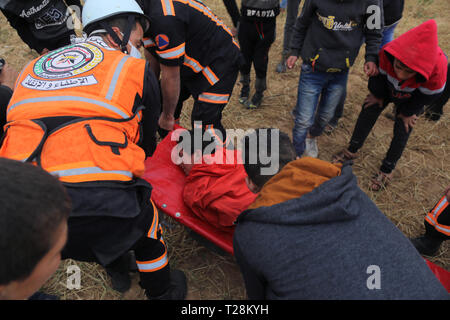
x=432, y=116
x=120, y=281
x=426, y=246
x=177, y=289
x=245, y=92
x=256, y=101
x=281, y=67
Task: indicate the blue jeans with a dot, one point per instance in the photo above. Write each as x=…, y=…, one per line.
x=311, y=85
x=283, y=4
x=388, y=34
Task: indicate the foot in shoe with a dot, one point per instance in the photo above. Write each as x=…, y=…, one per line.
x=177, y=289
x=426, y=246
x=311, y=149
x=281, y=67
x=243, y=100
x=256, y=101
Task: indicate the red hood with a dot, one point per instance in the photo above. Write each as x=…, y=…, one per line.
x=417, y=48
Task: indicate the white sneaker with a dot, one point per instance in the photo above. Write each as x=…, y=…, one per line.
x=311, y=149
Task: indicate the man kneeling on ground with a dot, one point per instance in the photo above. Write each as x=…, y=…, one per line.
x=312, y=233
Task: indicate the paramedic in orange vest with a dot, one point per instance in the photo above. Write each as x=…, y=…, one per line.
x=87, y=113
x=196, y=55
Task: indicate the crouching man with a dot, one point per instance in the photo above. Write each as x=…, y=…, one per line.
x=313, y=234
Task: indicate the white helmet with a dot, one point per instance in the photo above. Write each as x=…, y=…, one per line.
x=98, y=10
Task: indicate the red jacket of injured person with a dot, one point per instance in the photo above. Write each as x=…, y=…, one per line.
x=215, y=188
x=413, y=70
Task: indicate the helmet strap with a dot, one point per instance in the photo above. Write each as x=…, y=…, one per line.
x=126, y=35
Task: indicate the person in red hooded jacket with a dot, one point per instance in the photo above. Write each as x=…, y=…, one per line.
x=413, y=73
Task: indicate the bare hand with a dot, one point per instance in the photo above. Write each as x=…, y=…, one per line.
x=166, y=122
x=447, y=193
x=290, y=62
x=372, y=100
x=371, y=69
x=8, y=76
x=409, y=122
x=44, y=51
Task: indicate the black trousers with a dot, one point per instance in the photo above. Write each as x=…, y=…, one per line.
x=209, y=105
x=94, y=237
x=366, y=120
x=5, y=96
x=255, y=40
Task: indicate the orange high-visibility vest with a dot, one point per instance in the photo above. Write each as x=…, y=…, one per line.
x=98, y=86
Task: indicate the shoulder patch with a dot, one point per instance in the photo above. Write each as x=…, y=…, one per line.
x=162, y=41
x=68, y=61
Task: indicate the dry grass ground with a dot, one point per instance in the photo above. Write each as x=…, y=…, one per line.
x=421, y=176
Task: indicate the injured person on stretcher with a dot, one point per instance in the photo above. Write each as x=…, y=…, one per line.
x=215, y=188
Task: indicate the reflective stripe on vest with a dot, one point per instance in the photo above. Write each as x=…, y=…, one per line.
x=214, y=98
x=192, y=63
x=197, y=67
x=172, y=53
x=153, y=232
x=68, y=98
x=210, y=76
x=433, y=216
x=148, y=43
x=167, y=6
x=89, y=170
x=115, y=78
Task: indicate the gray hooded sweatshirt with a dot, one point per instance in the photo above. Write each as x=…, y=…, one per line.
x=331, y=243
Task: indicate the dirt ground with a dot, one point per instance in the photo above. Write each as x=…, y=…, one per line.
x=420, y=178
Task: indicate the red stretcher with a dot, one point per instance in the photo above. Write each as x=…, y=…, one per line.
x=168, y=181
x=440, y=273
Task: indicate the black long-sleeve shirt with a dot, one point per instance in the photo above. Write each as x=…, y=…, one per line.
x=40, y=23
x=233, y=11
x=393, y=11
x=332, y=32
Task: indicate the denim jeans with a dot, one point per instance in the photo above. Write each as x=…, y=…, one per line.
x=311, y=86
x=388, y=34
x=339, y=110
